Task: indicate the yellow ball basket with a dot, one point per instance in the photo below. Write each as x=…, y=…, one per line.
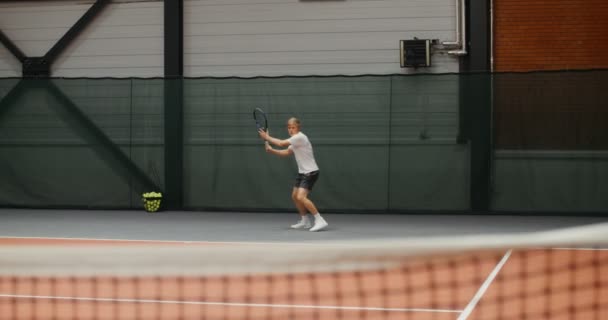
x=152, y=201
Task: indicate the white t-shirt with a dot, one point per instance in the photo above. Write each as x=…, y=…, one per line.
x=302, y=149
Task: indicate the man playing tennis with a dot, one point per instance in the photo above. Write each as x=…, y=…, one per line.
x=308, y=172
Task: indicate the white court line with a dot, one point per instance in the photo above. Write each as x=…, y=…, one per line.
x=231, y=304
x=581, y=249
x=482, y=290
x=564, y=248
x=166, y=241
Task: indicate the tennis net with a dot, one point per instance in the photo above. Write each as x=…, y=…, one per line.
x=558, y=274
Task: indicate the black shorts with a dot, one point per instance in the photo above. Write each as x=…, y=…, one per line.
x=306, y=180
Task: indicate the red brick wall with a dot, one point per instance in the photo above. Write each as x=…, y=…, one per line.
x=550, y=34
x=551, y=110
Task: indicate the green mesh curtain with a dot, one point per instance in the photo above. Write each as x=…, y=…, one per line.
x=381, y=143
x=76, y=142
x=397, y=143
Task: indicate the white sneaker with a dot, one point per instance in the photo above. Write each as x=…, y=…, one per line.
x=303, y=224
x=320, y=224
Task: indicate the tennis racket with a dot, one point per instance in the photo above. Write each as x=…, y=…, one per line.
x=261, y=121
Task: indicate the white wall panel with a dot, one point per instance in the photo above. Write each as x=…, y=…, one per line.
x=125, y=39
x=291, y=37
x=232, y=37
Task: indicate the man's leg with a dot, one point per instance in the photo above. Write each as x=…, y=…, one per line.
x=302, y=197
x=304, y=222
x=299, y=205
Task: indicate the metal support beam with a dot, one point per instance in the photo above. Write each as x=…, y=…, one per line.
x=475, y=97
x=174, y=35
x=478, y=33
x=41, y=66
x=12, y=47
x=476, y=103
x=173, y=92
x=36, y=67
x=74, y=31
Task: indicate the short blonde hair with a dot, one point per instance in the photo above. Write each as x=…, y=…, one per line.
x=294, y=120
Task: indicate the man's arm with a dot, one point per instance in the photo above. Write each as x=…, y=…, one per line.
x=277, y=142
x=280, y=153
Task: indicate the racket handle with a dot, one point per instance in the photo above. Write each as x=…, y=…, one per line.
x=265, y=141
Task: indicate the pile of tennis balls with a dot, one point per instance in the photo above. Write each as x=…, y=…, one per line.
x=152, y=201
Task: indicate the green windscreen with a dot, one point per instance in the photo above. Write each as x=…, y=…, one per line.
x=74, y=143
x=526, y=142
x=380, y=142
